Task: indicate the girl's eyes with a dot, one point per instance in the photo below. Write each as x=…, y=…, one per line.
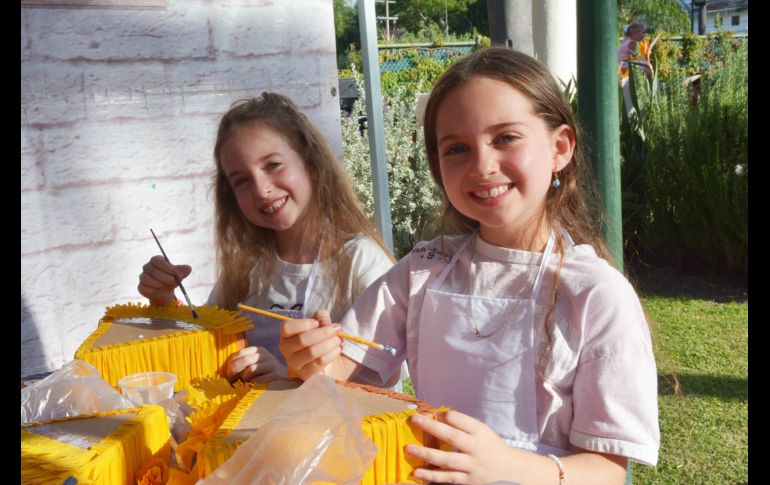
x=239, y=182
x=243, y=180
x=455, y=149
x=503, y=139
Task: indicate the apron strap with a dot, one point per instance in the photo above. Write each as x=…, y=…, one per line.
x=541, y=269
x=311, y=277
x=546, y=256
x=440, y=280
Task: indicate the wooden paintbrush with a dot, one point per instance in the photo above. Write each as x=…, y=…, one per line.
x=383, y=347
x=189, y=303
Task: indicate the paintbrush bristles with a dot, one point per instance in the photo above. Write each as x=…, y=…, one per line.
x=387, y=348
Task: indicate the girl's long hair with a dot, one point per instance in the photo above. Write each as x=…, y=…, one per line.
x=574, y=206
x=333, y=213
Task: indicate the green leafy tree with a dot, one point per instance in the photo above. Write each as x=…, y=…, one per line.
x=346, y=34
x=423, y=15
x=476, y=19
x=657, y=15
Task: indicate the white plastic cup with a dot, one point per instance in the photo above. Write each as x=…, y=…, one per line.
x=148, y=387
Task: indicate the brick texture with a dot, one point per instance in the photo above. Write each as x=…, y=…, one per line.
x=119, y=110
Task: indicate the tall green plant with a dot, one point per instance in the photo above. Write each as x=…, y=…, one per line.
x=414, y=198
x=689, y=148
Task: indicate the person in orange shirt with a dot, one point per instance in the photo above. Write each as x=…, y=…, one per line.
x=629, y=49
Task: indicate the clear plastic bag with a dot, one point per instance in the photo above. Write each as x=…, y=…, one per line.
x=75, y=389
x=315, y=437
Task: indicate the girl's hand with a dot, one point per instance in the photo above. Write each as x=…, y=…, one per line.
x=481, y=456
x=254, y=364
x=309, y=344
x=157, y=283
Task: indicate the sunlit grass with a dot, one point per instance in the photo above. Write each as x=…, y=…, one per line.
x=704, y=426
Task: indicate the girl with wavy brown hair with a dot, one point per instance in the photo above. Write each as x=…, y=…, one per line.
x=517, y=321
x=291, y=237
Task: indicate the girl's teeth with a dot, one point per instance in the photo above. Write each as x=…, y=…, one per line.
x=274, y=207
x=493, y=192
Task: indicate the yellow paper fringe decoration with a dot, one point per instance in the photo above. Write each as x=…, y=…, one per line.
x=113, y=460
x=391, y=465
x=189, y=354
x=210, y=317
x=217, y=449
x=212, y=399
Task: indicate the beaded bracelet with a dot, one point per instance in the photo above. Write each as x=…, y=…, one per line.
x=561, y=467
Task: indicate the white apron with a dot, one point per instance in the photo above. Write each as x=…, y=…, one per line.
x=491, y=379
x=267, y=331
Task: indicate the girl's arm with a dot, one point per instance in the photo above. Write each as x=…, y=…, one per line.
x=311, y=345
x=481, y=456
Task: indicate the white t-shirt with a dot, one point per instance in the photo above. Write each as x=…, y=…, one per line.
x=289, y=281
x=600, y=386
x=288, y=286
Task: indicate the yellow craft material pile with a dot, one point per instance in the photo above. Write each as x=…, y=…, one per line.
x=103, y=448
x=135, y=338
x=385, y=421
x=136, y=444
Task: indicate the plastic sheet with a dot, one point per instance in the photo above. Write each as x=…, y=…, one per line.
x=315, y=437
x=73, y=390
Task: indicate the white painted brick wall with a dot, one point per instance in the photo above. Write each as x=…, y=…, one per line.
x=119, y=110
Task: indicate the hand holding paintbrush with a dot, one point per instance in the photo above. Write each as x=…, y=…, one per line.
x=383, y=347
x=159, y=278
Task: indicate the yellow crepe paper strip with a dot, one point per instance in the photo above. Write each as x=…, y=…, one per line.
x=212, y=399
x=115, y=459
x=214, y=390
x=391, y=465
x=189, y=353
x=217, y=450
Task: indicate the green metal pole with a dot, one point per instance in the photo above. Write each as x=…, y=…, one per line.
x=598, y=109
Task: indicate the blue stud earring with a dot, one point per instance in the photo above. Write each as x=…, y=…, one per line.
x=556, y=183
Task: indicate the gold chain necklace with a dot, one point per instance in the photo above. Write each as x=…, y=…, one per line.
x=507, y=319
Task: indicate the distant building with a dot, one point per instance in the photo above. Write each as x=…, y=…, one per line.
x=733, y=15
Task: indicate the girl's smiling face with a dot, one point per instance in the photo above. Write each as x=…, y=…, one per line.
x=496, y=159
x=267, y=176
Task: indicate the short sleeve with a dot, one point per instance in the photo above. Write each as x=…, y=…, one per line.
x=615, y=406
x=379, y=314
x=368, y=262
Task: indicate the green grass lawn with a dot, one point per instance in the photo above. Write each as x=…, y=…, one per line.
x=703, y=419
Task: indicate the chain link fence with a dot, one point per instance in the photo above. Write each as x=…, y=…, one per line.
x=396, y=57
